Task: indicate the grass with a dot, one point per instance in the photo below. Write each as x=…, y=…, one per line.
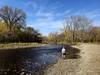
x=19, y=45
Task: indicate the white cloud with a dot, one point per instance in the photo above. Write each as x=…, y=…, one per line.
x=65, y=13
x=49, y=23
x=50, y=20
x=96, y=23
x=44, y=14
x=90, y=14
x=94, y=15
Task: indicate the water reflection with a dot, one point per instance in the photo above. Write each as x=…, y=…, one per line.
x=25, y=61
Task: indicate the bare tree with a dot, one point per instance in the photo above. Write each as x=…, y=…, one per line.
x=53, y=37
x=76, y=26
x=95, y=34
x=14, y=18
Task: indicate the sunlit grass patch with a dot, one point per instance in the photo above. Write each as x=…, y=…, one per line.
x=19, y=45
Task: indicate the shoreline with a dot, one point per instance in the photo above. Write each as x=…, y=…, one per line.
x=11, y=46
x=87, y=64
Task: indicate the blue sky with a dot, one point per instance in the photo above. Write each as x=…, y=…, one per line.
x=48, y=15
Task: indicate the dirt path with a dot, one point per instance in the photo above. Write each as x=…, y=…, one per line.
x=90, y=59
x=87, y=64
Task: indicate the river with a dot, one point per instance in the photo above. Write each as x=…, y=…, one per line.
x=21, y=61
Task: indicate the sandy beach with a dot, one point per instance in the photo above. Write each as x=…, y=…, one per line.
x=83, y=59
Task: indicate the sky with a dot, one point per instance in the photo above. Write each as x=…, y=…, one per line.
x=48, y=15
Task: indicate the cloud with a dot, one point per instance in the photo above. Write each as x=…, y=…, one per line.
x=96, y=23
x=44, y=14
x=47, y=22
x=48, y=25
x=32, y=4
x=93, y=14
x=64, y=13
x=90, y=14
x=48, y=19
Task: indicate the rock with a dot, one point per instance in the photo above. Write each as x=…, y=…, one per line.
x=22, y=73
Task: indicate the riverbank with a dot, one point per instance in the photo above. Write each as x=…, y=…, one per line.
x=19, y=45
x=88, y=62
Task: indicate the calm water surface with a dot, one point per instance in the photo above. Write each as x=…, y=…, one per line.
x=15, y=62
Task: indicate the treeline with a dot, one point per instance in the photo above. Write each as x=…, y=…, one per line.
x=76, y=29
x=13, y=26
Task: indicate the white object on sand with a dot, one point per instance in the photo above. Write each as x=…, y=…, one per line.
x=63, y=50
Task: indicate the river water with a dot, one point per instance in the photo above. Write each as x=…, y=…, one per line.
x=21, y=61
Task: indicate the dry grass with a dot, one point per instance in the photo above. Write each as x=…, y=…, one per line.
x=19, y=45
